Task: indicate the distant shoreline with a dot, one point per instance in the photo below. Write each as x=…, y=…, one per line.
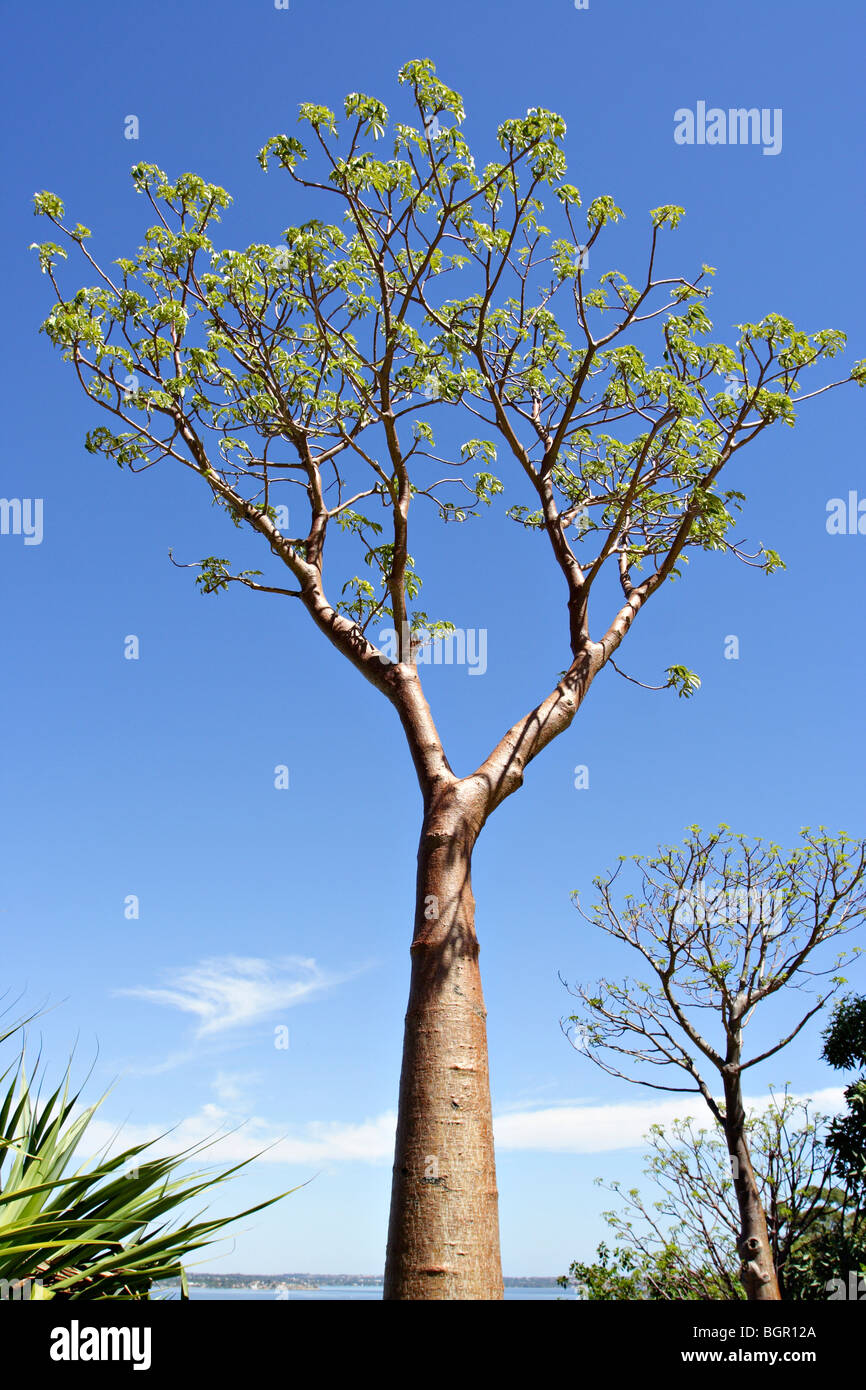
x=315, y=1281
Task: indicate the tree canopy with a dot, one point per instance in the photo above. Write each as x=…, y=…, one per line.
x=313, y=371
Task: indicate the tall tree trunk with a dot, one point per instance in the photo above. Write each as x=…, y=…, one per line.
x=443, y=1237
x=757, y=1271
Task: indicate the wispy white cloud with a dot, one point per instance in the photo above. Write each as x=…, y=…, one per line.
x=235, y=991
x=573, y=1129
x=158, y=1068
x=587, y=1129
x=233, y=1087
x=316, y=1142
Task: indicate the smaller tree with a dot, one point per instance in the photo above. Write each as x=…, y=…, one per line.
x=724, y=924
x=681, y=1244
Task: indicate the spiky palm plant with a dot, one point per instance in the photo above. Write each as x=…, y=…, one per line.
x=107, y=1230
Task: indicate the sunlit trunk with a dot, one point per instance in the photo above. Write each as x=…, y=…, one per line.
x=443, y=1239
x=757, y=1271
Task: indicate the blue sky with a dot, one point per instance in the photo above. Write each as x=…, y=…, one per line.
x=154, y=777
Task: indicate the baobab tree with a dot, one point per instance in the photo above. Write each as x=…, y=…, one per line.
x=316, y=369
x=724, y=924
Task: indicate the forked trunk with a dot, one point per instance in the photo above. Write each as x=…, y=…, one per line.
x=443, y=1237
x=757, y=1270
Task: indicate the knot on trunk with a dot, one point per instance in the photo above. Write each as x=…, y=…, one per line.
x=749, y=1248
x=435, y=839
